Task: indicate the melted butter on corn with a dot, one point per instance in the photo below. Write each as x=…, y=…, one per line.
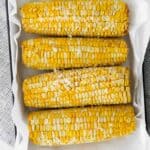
x=50, y=53
x=80, y=125
x=90, y=86
x=76, y=17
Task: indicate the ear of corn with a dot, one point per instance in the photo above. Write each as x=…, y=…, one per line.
x=50, y=53
x=91, y=86
x=80, y=125
x=103, y=18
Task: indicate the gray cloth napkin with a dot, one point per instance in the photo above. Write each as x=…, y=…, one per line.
x=146, y=78
x=7, y=129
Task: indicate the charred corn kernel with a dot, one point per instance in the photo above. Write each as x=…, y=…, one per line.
x=76, y=18
x=80, y=125
x=90, y=86
x=50, y=53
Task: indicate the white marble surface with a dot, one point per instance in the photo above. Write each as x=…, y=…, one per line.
x=7, y=130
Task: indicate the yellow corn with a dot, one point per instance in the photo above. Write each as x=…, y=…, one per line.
x=50, y=53
x=80, y=125
x=90, y=86
x=103, y=18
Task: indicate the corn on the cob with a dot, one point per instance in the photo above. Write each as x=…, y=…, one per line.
x=50, y=53
x=80, y=125
x=90, y=86
x=76, y=18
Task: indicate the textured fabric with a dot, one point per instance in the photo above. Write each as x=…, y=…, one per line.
x=146, y=73
x=7, y=129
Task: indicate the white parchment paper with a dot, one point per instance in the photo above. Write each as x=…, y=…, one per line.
x=139, y=33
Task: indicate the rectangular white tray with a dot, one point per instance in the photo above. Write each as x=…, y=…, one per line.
x=138, y=38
